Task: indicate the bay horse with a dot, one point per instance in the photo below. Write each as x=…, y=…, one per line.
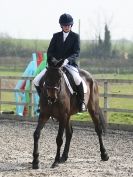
x=56, y=101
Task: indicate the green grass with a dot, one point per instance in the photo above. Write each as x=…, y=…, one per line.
x=116, y=118
x=81, y=117
x=119, y=118
x=7, y=96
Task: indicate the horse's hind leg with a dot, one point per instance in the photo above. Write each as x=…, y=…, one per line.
x=40, y=125
x=69, y=132
x=59, y=142
x=98, y=128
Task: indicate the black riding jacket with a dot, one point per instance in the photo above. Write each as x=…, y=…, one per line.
x=68, y=49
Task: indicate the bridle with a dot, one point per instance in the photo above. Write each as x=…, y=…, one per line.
x=53, y=91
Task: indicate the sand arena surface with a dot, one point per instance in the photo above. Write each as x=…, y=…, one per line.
x=16, y=146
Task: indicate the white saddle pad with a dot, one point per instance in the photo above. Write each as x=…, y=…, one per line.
x=69, y=86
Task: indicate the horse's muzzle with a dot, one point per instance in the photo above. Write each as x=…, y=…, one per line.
x=52, y=94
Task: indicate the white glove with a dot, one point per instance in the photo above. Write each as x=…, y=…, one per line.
x=65, y=62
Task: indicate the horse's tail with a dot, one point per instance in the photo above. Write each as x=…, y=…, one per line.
x=94, y=101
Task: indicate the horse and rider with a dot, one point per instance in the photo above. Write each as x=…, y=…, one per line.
x=65, y=45
x=57, y=101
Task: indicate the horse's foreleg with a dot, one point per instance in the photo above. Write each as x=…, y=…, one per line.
x=98, y=129
x=59, y=142
x=69, y=132
x=40, y=125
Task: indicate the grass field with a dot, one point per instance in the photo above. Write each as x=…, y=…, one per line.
x=113, y=117
x=123, y=118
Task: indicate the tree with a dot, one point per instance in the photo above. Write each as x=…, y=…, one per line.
x=100, y=47
x=107, y=43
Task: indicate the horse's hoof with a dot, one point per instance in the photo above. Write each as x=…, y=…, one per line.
x=55, y=164
x=35, y=166
x=63, y=159
x=104, y=157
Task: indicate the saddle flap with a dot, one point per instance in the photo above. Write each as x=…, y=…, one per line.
x=70, y=82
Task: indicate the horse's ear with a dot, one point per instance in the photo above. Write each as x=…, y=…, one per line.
x=60, y=62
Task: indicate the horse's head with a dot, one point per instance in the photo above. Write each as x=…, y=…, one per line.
x=52, y=83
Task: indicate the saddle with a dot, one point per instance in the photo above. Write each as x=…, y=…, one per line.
x=71, y=83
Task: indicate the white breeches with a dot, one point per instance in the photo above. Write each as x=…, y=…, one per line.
x=38, y=77
x=74, y=71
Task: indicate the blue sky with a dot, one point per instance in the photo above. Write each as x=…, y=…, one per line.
x=38, y=19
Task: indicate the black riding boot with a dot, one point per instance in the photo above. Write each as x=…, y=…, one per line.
x=39, y=93
x=82, y=107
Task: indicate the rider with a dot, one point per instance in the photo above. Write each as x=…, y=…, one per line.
x=65, y=45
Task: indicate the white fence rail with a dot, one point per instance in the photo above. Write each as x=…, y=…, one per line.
x=104, y=82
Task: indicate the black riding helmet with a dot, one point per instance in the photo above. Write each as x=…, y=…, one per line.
x=65, y=19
